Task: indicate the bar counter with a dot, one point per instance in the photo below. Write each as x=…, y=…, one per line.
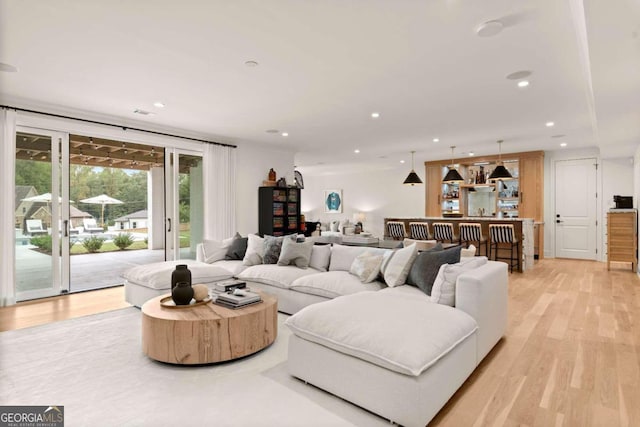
x=523, y=228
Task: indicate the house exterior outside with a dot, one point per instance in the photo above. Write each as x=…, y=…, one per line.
x=132, y=221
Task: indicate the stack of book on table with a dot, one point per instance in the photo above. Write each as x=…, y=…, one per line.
x=228, y=285
x=238, y=299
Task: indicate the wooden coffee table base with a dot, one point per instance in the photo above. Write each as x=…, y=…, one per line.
x=207, y=333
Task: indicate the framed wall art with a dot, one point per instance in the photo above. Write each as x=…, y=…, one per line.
x=333, y=201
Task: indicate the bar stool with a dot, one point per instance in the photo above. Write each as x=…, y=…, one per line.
x=443, y=231
x=419, y=230
x=396, y=230
x=504, y=234
x=471, y=232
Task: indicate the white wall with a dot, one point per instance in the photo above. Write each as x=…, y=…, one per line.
x=377, y=193
x=253, y=164
x=617, y=179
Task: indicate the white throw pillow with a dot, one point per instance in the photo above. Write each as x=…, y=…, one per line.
x=333, y=226
x=342, y=256
x=399, y=265
x=320, y=257
x=468, y=252
x=255, y=250
x=444, y=286
x=295, y=253
x=366, y=266
x=215, y=250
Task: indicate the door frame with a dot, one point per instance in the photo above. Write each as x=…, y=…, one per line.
x=550, y=197
x=59, y=214
x=171, y=202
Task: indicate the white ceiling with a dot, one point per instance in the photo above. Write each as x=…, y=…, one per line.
x=324, y=66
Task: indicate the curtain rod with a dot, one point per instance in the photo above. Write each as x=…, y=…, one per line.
x=116, y=126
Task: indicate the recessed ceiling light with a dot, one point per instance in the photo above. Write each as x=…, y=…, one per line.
x=471, y=154
x=251, y=63
x=272, y=131
x=549, y=124
x=523, y=83
x=563, y=144
x=401, y=161
x=158, y=104
x=489, y=28
x=8, y=68
x=356, y=151
x=436, y=139
x=518, y=75
x=285, y=133
x=375, y=115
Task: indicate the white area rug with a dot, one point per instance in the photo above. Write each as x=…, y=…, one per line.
x=94, y=366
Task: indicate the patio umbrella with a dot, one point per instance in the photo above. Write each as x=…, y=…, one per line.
x=102, y=199
x=43, y=198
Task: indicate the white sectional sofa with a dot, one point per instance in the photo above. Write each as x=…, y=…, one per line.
x=395, y=352
x=383, y=345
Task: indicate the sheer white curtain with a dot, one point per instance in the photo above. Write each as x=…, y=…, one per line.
x=7, y=193
x=219, y=192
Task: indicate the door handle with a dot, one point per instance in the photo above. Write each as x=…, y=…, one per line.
x=169, y=221
x=66, y=228
x=558, y=221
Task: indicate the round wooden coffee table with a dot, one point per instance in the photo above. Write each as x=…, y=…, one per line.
x=207, y=333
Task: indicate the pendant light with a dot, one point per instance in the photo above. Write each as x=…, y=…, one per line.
x=500, y=172
x=452, y=175
x=412, y=178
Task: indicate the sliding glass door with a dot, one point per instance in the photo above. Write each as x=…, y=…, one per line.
x=41, y=212
x=184, y=203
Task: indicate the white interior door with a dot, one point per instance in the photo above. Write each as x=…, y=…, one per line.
x=576, y=203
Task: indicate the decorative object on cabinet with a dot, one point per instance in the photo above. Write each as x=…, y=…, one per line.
x=500, y=172
x=453, y=175
x=272, y=175
x=413, y=178
x=332, y=201
x=279, y=211
x=297, y=179
x=282, y=182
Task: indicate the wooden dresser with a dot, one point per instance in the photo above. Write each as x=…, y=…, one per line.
x=622, y=237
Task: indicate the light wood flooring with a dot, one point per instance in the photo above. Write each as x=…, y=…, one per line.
x=39, y=312
x=571, y=355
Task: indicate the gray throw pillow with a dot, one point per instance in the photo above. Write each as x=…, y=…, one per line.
x=298, y=254
x=273, y=246
x=237, y=249
x=426, y=266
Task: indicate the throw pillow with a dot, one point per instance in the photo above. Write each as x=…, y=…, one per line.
x=468, y=252
x=237, y=249
x=333, y=226
x=320, y=257
x=298, y=254
x=272, y=247
x=444, y=286
x=399, y=265
x=215, y=250
x=427, y=264
x=255, y=250
x=366, y=267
